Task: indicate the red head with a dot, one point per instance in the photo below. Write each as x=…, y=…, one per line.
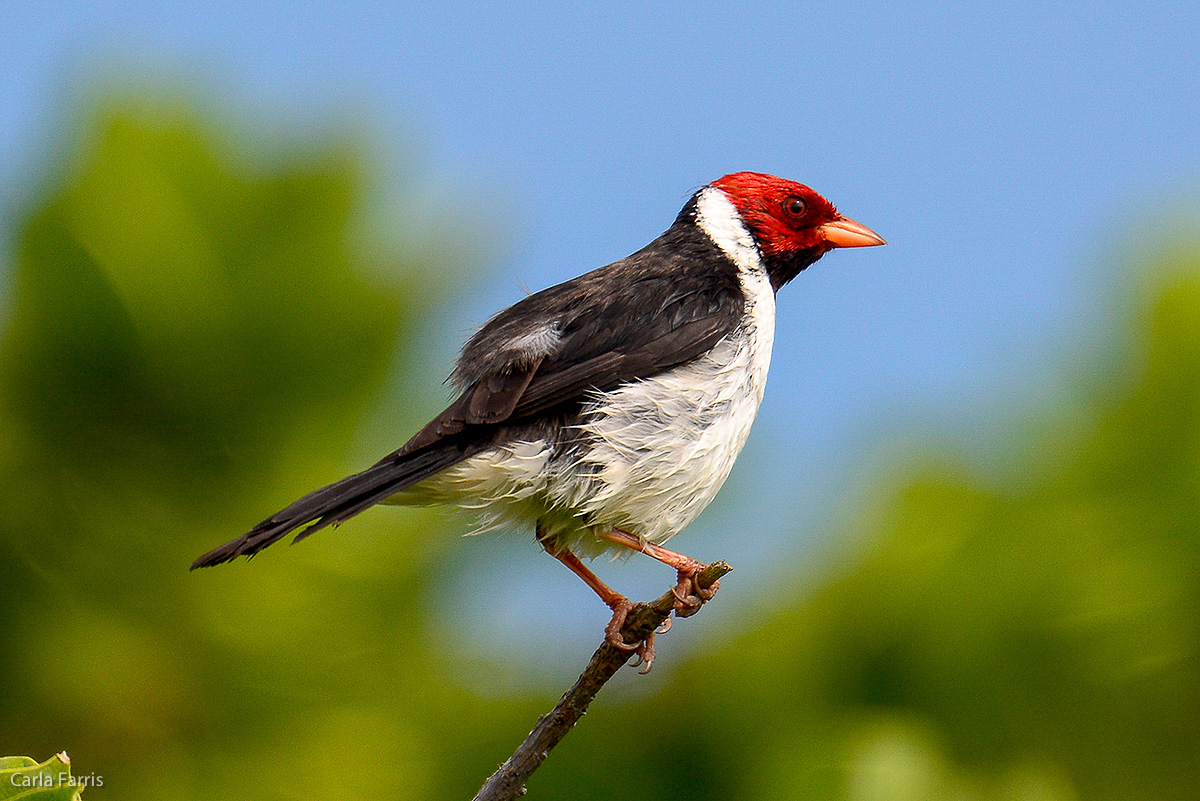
x=793, y=225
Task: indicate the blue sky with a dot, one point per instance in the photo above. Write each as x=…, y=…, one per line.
x=1006, y=151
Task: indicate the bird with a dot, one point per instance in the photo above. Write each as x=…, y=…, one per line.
x=605, y=412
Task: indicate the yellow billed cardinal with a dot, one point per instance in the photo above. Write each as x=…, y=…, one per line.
x=606, y=412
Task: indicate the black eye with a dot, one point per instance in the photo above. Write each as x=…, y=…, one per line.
x=795, y=206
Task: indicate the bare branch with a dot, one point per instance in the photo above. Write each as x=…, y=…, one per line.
x=508, y=782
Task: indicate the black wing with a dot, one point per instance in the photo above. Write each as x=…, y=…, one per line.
x=663, y=306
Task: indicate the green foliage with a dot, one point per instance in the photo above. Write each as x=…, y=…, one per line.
x=23, y=778
x=171, y=306
x=193, y=339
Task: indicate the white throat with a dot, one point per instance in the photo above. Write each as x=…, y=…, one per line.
x=718, y=218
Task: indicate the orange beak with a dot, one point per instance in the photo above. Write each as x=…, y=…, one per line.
x=844, y=233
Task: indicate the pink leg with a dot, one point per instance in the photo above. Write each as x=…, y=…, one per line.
x=690, y=595
x=618, y=603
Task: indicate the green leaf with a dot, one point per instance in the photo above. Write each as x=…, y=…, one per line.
x=23, y=778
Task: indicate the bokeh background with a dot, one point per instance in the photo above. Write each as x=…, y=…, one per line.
x=241, y=243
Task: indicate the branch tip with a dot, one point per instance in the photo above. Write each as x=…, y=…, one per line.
x=508, y=782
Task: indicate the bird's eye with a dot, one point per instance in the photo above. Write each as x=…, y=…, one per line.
x=795, y=206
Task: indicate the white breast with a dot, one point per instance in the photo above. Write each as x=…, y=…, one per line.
x=661, y=448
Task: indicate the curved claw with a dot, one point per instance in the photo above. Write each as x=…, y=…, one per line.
x=612, y=632
x=645, y=655
x=641, y=653
x=689, y=595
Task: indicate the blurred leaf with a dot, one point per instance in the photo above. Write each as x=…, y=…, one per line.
x=23, y=778
x=172, y=307
x=194, y=337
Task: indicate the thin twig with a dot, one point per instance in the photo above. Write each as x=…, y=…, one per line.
x=508, y=782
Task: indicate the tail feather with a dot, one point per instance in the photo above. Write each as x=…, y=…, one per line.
x=340, y=500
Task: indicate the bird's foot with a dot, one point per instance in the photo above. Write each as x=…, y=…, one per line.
x=689, y=595
x=641, y=653
x=644, y=655
x=612, y=632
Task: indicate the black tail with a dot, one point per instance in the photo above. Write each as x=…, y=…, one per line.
x=341, y=500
